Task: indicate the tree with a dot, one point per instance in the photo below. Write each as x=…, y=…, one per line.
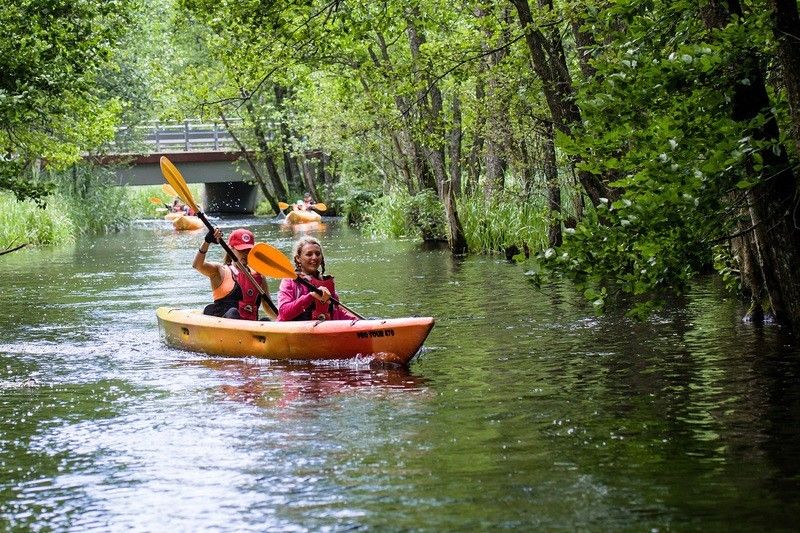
x=52, y=55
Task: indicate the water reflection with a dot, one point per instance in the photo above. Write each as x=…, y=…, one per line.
x=281, y=384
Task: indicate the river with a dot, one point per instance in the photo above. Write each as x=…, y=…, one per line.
x=523, y=411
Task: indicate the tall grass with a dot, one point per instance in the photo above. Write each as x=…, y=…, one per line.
x=85, y=201
x=503, y=223
x=387, y=216
x=26, y=223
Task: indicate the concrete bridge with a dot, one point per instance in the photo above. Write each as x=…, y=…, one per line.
x=204, y=152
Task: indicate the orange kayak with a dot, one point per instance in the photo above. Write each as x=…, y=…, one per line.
x=172, y=216
x=187, y=223
x=393, y=340
x=302, y=217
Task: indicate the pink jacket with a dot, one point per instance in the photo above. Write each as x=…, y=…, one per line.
x=294, y=298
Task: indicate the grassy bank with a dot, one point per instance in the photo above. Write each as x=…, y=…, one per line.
x=77, y=208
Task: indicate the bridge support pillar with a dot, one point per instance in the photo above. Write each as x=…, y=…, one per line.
x=230, y=197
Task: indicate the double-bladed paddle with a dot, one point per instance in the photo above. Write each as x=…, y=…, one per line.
x=318, y=206
x=271, y=262
x=174, y=178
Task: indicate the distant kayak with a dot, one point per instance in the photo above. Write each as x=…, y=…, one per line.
x=392, y=340
x=302, y=217
x=172, y=216
x=187, y=223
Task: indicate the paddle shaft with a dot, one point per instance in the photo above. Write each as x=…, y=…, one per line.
x=312, y=288
x=242, y=268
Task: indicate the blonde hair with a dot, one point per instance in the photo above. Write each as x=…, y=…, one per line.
x=297, y=249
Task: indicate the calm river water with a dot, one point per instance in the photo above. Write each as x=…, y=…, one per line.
x=524, y=410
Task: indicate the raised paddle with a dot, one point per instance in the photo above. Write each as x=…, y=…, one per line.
x=175, y=179
x=167, y=188
x=271, y=262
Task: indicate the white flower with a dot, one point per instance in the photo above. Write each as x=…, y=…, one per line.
x=686, y=58
x=549, y=253
x=673, y=143
x=663, y=157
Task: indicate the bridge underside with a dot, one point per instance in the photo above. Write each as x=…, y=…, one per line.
x=225, y=190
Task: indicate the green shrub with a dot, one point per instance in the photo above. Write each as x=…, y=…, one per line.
x=356, y=205
x=426, y=215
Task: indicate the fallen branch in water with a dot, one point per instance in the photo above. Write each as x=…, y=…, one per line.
x=4, y=252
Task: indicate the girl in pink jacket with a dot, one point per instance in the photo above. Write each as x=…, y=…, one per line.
x=296, y=301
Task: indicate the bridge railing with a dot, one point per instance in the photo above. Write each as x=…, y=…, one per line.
x=169, y=137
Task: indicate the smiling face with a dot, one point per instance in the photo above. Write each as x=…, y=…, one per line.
x=309, y=257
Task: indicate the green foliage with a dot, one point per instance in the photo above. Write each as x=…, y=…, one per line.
x=657, y=117
x=11, y=179
x=389, y=216
x=401, y=215
x=356, y=204
x=92, y=201
x=426, y=215
x=138, y=198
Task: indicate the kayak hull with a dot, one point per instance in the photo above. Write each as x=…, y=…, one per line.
x=187, y=223
x=391, y=341
x=302, y=217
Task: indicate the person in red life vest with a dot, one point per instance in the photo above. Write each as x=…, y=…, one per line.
x=296, y=301
x=234, y=294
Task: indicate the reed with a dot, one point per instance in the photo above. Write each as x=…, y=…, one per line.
x=504, y=223
x=26, y=223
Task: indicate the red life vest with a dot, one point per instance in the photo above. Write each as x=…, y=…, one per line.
x=319, y=310
x=248, y=305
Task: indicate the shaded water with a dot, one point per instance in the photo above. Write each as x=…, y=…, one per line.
x=523, y=411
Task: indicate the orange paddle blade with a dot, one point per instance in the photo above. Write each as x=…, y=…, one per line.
x=283, y=205
x=271, y=262
x=320, y=207
x=174, y=178
x=156, y=200
x=167, y=188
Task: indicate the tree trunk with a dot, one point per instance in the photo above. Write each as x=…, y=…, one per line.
x=554, y=236
x=475, y=152
x=549, y=64
x=497, y=118
x=455, y=146
x=413, y=164
x=773, y=200
x=263, y=145
x=432, y=114
x=786, y=27
x=290, y=168
x=248, y=156
x=309, y=178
